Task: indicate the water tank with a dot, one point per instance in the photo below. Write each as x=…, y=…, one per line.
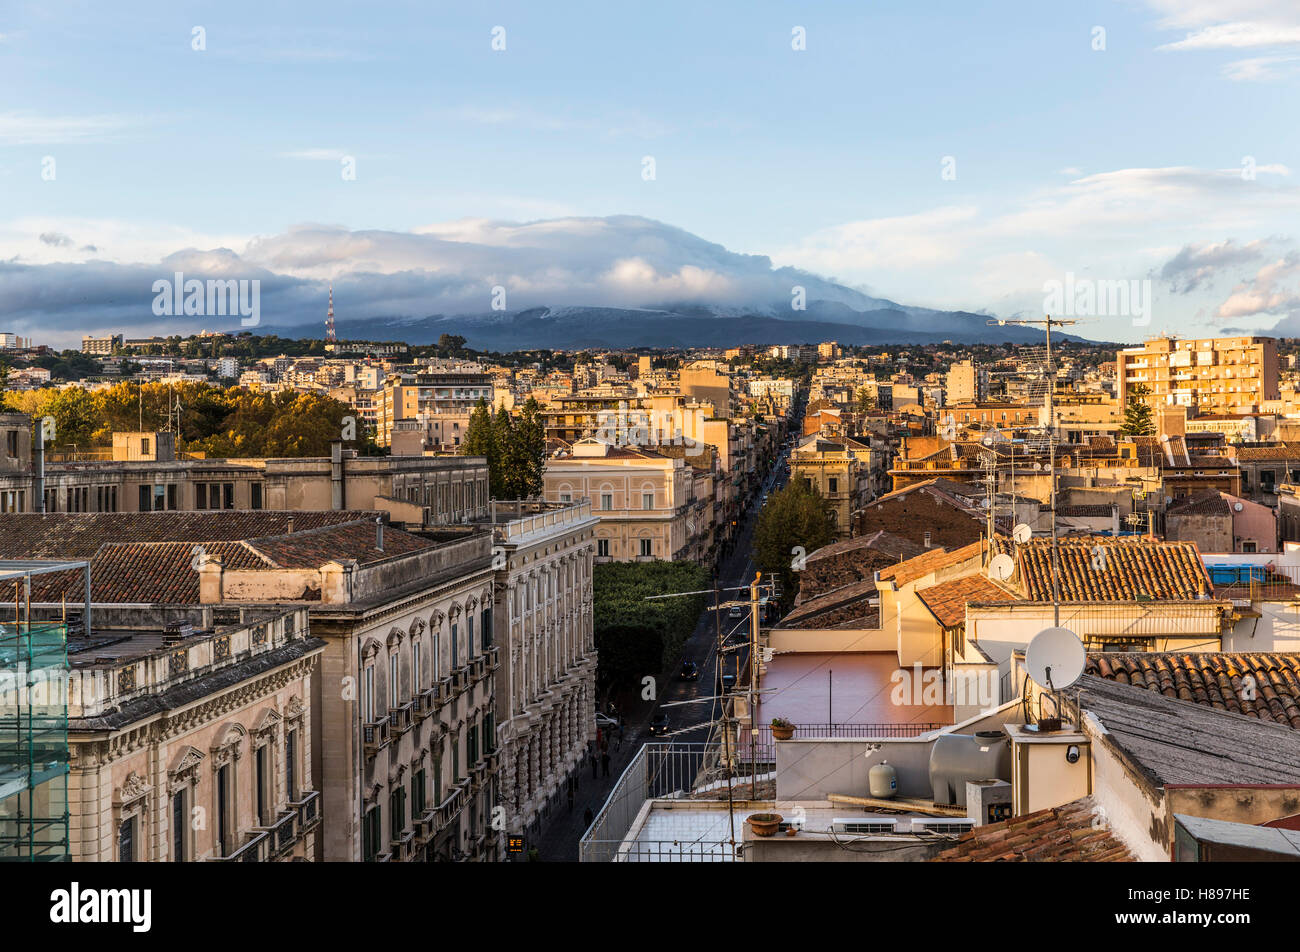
x=958, y=758
x=882, y=780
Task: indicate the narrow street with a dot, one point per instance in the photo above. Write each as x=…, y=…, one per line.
x=564, y=827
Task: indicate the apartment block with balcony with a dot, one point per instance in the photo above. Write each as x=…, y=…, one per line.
x=1215, y=375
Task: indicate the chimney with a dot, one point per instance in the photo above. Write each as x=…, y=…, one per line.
x=290, y=528
x=379, y=533
x=927, y=540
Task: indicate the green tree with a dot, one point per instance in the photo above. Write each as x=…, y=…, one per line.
x=481, y=440
x=521, y=452
x=794, y=523
x=866, y=400
x=1138, y=419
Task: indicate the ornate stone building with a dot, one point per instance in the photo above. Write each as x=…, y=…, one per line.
x=546, y=687
x=193, y=742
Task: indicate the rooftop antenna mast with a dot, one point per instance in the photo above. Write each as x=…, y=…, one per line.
x=1047, y=322
x=329, y=318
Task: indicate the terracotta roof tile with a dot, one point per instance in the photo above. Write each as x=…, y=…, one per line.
x=947, y=601
x=1105, y=568
x=1065, y=834
x=923, y=565
x=1257, y=684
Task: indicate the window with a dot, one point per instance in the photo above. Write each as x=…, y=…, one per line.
x=834, y=484
x=469, y=636
x=606, y=500
x=394, y=689
x=126, y=841
x=602, y=548
x=11, y=443
x=417, y=681
x=417, y=793
x=144, y=446
x=566, y=497
x=290, y=765
x=455, y=655
x=227, y=496
x=471, y=744
x=368, y=689
x=200, y=495
x=485, y=625
x=179, y=817
x=647, y=500
x=262, y=770
x=223, y=809
x=255, y=496
x=159, y=498
x=647, y=547
x=1248, y=547
x=397, y=812
x=171, y=497
x=370, y=835
x=146, y=499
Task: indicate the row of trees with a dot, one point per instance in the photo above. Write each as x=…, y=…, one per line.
x=635, y=638
x=515, y=448
x=216, y=421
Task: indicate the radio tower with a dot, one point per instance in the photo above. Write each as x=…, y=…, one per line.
x=329, y=317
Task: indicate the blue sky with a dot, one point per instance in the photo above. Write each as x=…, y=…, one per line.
x=1122, y=163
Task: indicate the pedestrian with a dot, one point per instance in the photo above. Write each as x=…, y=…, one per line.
x=604, y=762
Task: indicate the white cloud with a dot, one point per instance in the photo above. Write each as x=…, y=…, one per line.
x=27, y=129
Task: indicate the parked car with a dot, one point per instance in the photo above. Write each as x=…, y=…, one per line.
x=605, y=722
x=690, y=671
x=659, y=724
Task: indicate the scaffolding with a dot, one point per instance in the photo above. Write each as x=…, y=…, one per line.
x=34, y=677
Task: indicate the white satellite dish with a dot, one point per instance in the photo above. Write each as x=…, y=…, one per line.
x=1055, y=658
x=1022, y=534
x=1001, y=567
x=1237, y=506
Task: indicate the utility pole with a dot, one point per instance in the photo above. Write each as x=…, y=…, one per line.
x=1047, y=322
x=753, y=684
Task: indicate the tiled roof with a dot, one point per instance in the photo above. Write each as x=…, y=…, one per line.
x=881, y=541
x=61, y=535
x=1208, y=503
x=164, y=573
x=923, y=565
x=1065, y=834
x=1254, y=454
x=947, y=601
x=354, y=540
x=1218, y=680
x=1122, y=569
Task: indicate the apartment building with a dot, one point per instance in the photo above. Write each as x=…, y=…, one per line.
x=450, y=394
x=145, y=476
x=546, y=684
x=401, y=696
x=966, y=383
x=840, y=471
x=642, y=499
x=1215, y=375
x=101, y=346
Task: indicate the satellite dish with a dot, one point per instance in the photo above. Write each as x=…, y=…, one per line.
x=1237, y=506
x=1038, y=466
x=984, y=503
x=1164, y=437
x=1055, y=658
x=1001, y=567
x=1021, y=534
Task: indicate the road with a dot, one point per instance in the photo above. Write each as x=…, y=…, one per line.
x=689, y=723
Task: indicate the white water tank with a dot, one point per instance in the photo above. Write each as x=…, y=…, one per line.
x=882, y=780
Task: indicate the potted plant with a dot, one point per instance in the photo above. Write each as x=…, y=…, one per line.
x=764, y=824
x=782, y=729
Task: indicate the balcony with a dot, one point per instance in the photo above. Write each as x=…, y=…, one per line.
x=493, y=655
x=400, y=719
x=308, y=811
x=426, y=702
x=450, y=807
x=255, y=850
x=425, y=825
x=374, y=736
x=403, y=847
x=283, y=832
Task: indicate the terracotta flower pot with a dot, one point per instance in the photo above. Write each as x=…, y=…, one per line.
x=764, y=824
x=782, y=733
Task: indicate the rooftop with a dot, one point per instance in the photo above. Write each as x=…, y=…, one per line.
x=1068, y=833
x=1216, y=680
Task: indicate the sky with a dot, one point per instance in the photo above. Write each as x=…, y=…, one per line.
x=418, y=155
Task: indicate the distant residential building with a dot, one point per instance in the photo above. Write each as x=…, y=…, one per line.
x=227, y=367
x=1218, y=374
x=966, y=383
x=101, y=345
